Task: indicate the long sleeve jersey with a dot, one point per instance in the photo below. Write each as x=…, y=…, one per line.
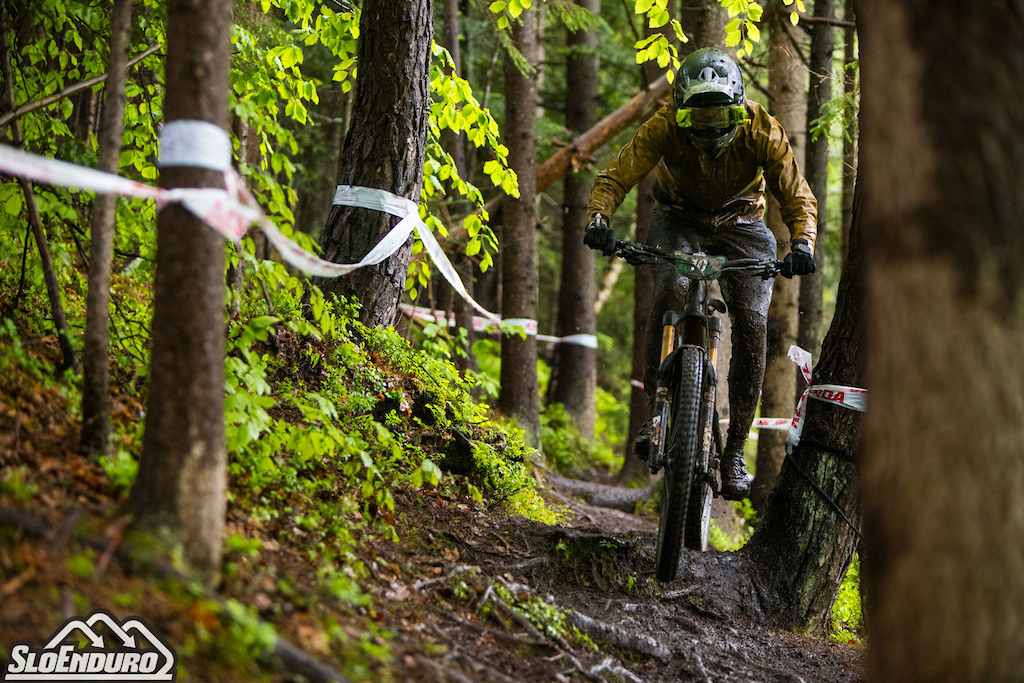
x=723, y=189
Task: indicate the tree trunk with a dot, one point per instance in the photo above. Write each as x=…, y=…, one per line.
x=805, y=543
x=518, y=396
x=942, y=467
x=385, y=149
x=778, y=394
x=575, y=371
x=69, y=357
x=704, y=23
x=96, y=351
x=183, y=469
x=850, y=141
x=633, y=468
x=816, y=172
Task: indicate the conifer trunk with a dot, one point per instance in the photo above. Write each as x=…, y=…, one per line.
x=816, y=172
x=941, y=159
x=575, y=378
x=518, y=397
x=778, y=395
x=384, y=149
x=183, y=470
x=96, y=351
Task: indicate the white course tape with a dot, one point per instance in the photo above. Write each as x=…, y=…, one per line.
x=481, y=324
x=194, y=143
x=407, y=210
x=853, y=398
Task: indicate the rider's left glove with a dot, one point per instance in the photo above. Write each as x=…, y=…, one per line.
x=599, y=235
x=799, y=261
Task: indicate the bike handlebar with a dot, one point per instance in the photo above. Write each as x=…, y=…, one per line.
x=696, y=265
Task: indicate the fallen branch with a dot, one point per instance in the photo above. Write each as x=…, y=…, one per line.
x=620, y=637
x=293, y=659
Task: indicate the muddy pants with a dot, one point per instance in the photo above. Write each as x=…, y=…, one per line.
x=747, y=297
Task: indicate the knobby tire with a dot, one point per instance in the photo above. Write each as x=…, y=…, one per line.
x=698, y=514
x=684, y=443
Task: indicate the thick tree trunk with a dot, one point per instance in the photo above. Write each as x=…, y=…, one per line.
x=704, y=23
x=70, y=358
x=96, y=351
x=816, y=172
x=810, y=530
x=575, y=378
x=384, y=149
x=942, y=467
x=518, y=396
x=183, y=469
x=778, y=395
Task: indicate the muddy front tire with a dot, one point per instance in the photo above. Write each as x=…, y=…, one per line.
x=685, y=440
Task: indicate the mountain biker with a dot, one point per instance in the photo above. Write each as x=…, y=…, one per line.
x=715, y=153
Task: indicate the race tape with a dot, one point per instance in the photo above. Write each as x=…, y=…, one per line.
x=481, y=324
x=185, y=142
x=231, y=210
x=636, y=384
x=853, y=398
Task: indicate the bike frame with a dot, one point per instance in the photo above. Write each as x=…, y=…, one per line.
x=689, y=352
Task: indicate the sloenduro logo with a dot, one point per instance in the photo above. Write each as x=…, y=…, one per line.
x=115, y=652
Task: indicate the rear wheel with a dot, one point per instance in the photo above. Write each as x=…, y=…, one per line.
x=685, y=440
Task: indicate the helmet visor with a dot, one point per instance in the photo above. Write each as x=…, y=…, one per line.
x=705, y=118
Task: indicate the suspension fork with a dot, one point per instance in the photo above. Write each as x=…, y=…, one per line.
x=660, y=409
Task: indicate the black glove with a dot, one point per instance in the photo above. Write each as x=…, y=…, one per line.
x=799, y=261
x=599, y=235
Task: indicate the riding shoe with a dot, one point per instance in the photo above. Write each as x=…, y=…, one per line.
x=735, y=482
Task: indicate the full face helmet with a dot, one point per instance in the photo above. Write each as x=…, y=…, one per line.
x=708, y=95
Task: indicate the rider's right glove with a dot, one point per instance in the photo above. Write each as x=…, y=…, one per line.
x=799, y=261
x=599, y=234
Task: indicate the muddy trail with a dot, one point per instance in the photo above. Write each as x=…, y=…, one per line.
x=611, y=621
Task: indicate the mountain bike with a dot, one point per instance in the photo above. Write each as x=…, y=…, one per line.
x=686, y=439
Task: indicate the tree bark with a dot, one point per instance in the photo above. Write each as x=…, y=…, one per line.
x=942, y=469
x=69, y=357
x=778, y=394
x=183, y=469
x=96, y=350
x=816, y=172
x=575, y=371
x=518, y=397
x=385, y=149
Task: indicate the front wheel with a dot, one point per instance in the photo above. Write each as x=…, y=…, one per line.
x=698, y=516
x=684, y=446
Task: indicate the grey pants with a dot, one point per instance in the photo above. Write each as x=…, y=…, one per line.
x=747, y=297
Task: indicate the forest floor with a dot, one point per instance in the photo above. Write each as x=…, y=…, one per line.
x=447, y=603
x=468, y=593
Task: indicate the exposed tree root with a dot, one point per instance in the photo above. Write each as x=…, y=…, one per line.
x=601, y=495
x=620, y=637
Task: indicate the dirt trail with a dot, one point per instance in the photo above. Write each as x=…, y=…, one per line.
x=598, y=567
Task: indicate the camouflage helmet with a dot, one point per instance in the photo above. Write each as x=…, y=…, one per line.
x=708, y=78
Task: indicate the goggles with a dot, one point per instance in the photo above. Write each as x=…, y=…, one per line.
x=703, y=118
